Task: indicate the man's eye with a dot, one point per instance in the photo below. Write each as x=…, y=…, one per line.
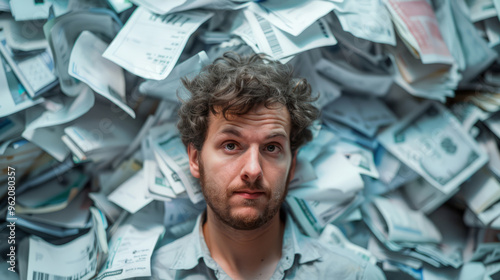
x=230, y=146
x=271, y=148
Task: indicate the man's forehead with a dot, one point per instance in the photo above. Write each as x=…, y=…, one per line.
x=275, y=118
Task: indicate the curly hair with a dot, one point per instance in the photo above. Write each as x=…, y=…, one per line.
x=234, y=85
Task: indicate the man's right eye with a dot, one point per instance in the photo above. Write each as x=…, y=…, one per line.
x=230, y=146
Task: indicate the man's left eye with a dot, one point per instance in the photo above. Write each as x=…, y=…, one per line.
x=271, y=148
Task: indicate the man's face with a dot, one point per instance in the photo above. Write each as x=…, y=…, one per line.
x=245, y=166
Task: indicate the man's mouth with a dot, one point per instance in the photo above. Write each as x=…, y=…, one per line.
x=249, y=194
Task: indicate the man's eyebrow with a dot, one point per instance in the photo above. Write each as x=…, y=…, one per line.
x=277, y=134
x=237, y=133
x=229, y=130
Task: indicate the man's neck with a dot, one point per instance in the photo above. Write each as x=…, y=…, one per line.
x=245, y=254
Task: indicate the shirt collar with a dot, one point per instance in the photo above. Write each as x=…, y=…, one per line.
x=295, y=244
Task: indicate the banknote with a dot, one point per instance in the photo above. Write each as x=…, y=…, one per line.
x=153, y=155
x=432, y=142
x=332, y=212
x=358, y=156
x=422, y=196
x=402, y=224
x=481, y=191
x=173, y=152
x=303, y=216
x=480, y=9
x=333, y=235
x=158, y=185
x=401, y=229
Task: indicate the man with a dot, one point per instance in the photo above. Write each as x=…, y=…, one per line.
x=242, y=126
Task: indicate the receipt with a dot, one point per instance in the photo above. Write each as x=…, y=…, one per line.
x=74, y=260
x=279, y=44
x=132, y=245
x=139, y=48
x=109, y=81
x=14, y=97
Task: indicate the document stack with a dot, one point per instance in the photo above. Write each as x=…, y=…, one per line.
x=403, y=168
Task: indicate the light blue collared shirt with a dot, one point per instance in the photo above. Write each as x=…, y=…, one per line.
x=302, y=258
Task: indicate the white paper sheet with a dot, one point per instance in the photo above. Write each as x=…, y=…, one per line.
x=13, y=96
x=108, y=81
x=367, y=19
x=130, y=251
x=418, y=26
x=280, y=45
x=168, y=87
x=140, y=50
x=31, y=10
x=293, y=16
x=76, y=259
x=131, y=194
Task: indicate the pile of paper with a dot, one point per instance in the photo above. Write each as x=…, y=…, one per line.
x=403, y=168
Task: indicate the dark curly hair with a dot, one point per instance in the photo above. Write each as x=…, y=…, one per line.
x=234, y=84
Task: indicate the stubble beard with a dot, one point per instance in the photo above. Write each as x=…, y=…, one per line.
x=217, y=196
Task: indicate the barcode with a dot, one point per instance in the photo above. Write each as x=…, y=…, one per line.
x=270, y=36
x=45, y=276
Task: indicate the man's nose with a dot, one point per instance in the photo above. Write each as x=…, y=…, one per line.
x=252, y=168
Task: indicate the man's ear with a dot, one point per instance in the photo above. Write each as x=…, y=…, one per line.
x=194, y=165
x=292, y=166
